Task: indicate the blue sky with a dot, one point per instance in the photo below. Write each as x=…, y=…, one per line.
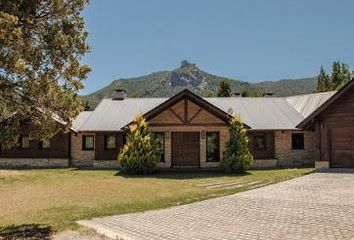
x=248, y=40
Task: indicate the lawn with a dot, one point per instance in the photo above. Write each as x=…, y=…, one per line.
x=54, y=199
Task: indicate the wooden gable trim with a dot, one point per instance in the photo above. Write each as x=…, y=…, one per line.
x=326, y=104
x=188, y=95
x=176, y=115
x=195, y=115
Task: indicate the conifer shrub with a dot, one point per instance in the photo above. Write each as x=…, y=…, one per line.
x=236, y=156
x=140, y=154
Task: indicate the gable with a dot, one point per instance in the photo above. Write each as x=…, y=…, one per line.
x=338, y=99
x=186, y=108
x=185, y=112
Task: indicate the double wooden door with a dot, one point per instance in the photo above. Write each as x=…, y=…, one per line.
x=342, y=147
x=185, y=149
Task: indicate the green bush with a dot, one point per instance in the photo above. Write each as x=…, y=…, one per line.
x=140, y=154
x=236, y=156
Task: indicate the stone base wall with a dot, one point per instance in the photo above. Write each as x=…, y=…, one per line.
x=34, y=162
x=264, y=163
x=105, y=164
x=288, y=157
x=81, y=158
x=320, y=165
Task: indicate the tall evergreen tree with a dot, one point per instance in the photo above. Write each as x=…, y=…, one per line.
x=323, y=81
x=236, y=156
x=141, y=152
x=224, y=89
x=340, y=76
x=41, y=44
x=336, y=74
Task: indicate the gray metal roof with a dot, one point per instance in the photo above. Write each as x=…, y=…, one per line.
x=112, y=115
x=80, y=119
x=306, y=104
x=261, y=113
x=258, y=113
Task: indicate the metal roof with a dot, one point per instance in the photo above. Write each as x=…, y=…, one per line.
x=112, y=115
x=258, y=113
x=80, y=119
x=306, y=104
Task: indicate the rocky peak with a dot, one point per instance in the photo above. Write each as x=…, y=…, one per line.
x=187, y=75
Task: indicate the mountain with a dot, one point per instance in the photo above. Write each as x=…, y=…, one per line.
x=188, y=75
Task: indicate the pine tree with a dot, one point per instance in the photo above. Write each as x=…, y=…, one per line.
x=224, y=89
x=336, y=74
x=236, y=156
x=323, y=81
x=41, y=46
x=140, y=154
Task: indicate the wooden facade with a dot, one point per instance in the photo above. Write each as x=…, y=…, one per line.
x=59, y=148
x=335, y=130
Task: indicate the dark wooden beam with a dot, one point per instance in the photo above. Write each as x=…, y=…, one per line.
x=176, y=115
x=195, y=115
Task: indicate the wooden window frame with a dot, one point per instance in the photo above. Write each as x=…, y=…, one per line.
x=255, y=147
x=105, y=142
x=218, y=146
x=84, y=143
x=302, y=142
x=41, y=145
x=21, y=142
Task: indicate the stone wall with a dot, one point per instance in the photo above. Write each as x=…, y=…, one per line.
x=33, y=162
x=80, y=157
x=288, y=157
x=105, y=164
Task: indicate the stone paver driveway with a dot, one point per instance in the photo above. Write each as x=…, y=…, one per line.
x=316, y=206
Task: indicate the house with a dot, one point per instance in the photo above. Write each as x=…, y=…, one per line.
x=333, y=123
x=193, y=131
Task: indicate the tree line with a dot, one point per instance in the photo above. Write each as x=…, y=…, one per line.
x=339, y=76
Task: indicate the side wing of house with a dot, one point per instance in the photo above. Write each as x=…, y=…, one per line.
x=34, y=153
x=334, y=127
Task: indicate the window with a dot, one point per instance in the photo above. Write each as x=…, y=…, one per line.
x=213, y=147
x=260, y=142
x=160, y=138
x=110, y=142
x=44, y=144
x=88, y=142
x=24, y=142
x=297, y=141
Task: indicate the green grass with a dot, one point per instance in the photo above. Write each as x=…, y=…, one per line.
x=59, y=197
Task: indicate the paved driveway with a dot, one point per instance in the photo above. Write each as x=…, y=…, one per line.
x=316, y=206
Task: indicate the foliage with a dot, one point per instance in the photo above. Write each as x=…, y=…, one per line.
x=140, y=154
x=224, y=89
x=41, y=44
x=340, y=76
x=236, y=156
x=324, y=82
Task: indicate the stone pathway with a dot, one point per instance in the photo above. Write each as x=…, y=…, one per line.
x=316, y=206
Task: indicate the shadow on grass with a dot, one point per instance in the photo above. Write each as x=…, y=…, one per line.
x=181, y=174
x=25, y=231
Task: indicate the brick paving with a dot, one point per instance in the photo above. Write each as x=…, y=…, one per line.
x=316, y=206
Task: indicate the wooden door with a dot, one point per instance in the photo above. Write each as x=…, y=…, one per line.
x=342, y=147
x=185, y=149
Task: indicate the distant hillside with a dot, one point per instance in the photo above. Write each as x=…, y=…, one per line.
x=188, y=75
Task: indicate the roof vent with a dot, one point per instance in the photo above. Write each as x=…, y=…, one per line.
x=120, y=95
x=267, y=94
